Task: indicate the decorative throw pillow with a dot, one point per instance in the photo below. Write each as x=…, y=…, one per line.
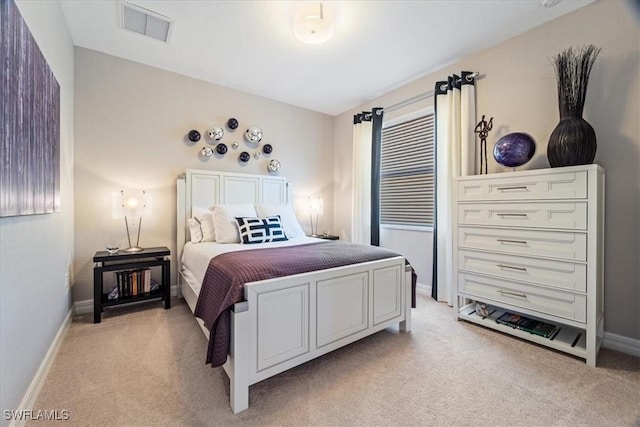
x=195, y=230
x=201, y=227
x=260, y=230
x=290, y=223
x=224, y=221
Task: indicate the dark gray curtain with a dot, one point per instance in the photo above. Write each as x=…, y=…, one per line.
x=440, y=89
x=376, y=151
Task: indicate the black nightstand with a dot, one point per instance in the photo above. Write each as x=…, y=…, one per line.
x=131, y=276
x=326, y=236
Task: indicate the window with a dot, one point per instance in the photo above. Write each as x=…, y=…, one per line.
x=407, y=171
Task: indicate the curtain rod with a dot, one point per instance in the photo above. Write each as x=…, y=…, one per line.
x=420, y=96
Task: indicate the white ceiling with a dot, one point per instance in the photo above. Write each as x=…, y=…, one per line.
x=249, y=45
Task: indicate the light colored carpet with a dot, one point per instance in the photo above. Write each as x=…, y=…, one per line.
x=144, y=366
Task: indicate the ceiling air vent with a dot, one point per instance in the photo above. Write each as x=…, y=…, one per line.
x=549, y=3
x=146, y=22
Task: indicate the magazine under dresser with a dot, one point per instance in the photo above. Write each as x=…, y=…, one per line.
x=531, y=243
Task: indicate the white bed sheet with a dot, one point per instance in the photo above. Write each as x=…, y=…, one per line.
x=196, y=256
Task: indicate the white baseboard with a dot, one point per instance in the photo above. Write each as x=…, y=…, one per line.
x=86, y=306
x=622, y=344
x=83, y=307
x=30, y=397
x=423, y=288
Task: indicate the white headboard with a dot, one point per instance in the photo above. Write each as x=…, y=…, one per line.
x=205, y=188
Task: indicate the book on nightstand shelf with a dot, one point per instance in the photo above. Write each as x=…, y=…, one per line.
x=529, y=325
x=133, y=282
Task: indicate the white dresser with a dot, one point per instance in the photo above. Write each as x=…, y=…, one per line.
x=532, y=243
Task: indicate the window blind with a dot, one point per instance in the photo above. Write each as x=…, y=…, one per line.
x=407, y=173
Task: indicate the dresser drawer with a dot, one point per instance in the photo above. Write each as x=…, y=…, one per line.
x=571, y=216
x=560, y=274
x=547, y=186
x=554, y=244
x=559, y=303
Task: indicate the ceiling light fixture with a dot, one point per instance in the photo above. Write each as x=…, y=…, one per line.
x=313, y=27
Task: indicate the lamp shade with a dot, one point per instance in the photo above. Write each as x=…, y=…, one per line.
x=316, y=206
x=131, y=203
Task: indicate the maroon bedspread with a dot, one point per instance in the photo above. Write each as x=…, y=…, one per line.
x=227, y=273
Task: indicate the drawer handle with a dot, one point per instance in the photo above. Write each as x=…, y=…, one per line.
x=518, y=242
x=512, y=267
x=522, y=187
x=524, y=215
x=511, y=294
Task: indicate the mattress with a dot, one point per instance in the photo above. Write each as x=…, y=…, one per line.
x=196, y=256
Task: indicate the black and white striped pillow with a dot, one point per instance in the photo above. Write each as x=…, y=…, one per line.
x=260, y=230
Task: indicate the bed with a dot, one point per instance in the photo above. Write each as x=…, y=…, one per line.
x=276, y=323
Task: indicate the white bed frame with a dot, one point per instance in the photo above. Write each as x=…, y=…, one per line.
x=288, y=321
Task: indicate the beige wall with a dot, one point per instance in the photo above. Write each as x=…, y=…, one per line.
x=517, y=88
x=130, y=123
x=36, y=251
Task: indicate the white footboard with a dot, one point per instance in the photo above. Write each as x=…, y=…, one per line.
x=288, y=321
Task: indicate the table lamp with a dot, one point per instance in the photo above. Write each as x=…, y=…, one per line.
x=132, y=204
x=315, y=207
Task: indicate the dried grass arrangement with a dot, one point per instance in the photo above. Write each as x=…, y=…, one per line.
x=573, y=68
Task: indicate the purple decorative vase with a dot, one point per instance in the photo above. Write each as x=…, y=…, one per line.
x=514, y=149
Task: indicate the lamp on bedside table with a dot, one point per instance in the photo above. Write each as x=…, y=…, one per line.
x=315, y=207
x=132, y=204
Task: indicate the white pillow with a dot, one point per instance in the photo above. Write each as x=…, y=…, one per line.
x=195, y=230
x=224, y=221
x=201, y=226
x=290, y=223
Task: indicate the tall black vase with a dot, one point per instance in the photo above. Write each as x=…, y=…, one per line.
x=572, y=142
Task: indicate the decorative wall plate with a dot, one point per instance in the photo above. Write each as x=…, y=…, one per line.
x=216, y=133
x=232, y=123
x=253, y=134
x=206, y=152
x=221, y=148
x=193, y=135
x=273, y=166
x=244, y=157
